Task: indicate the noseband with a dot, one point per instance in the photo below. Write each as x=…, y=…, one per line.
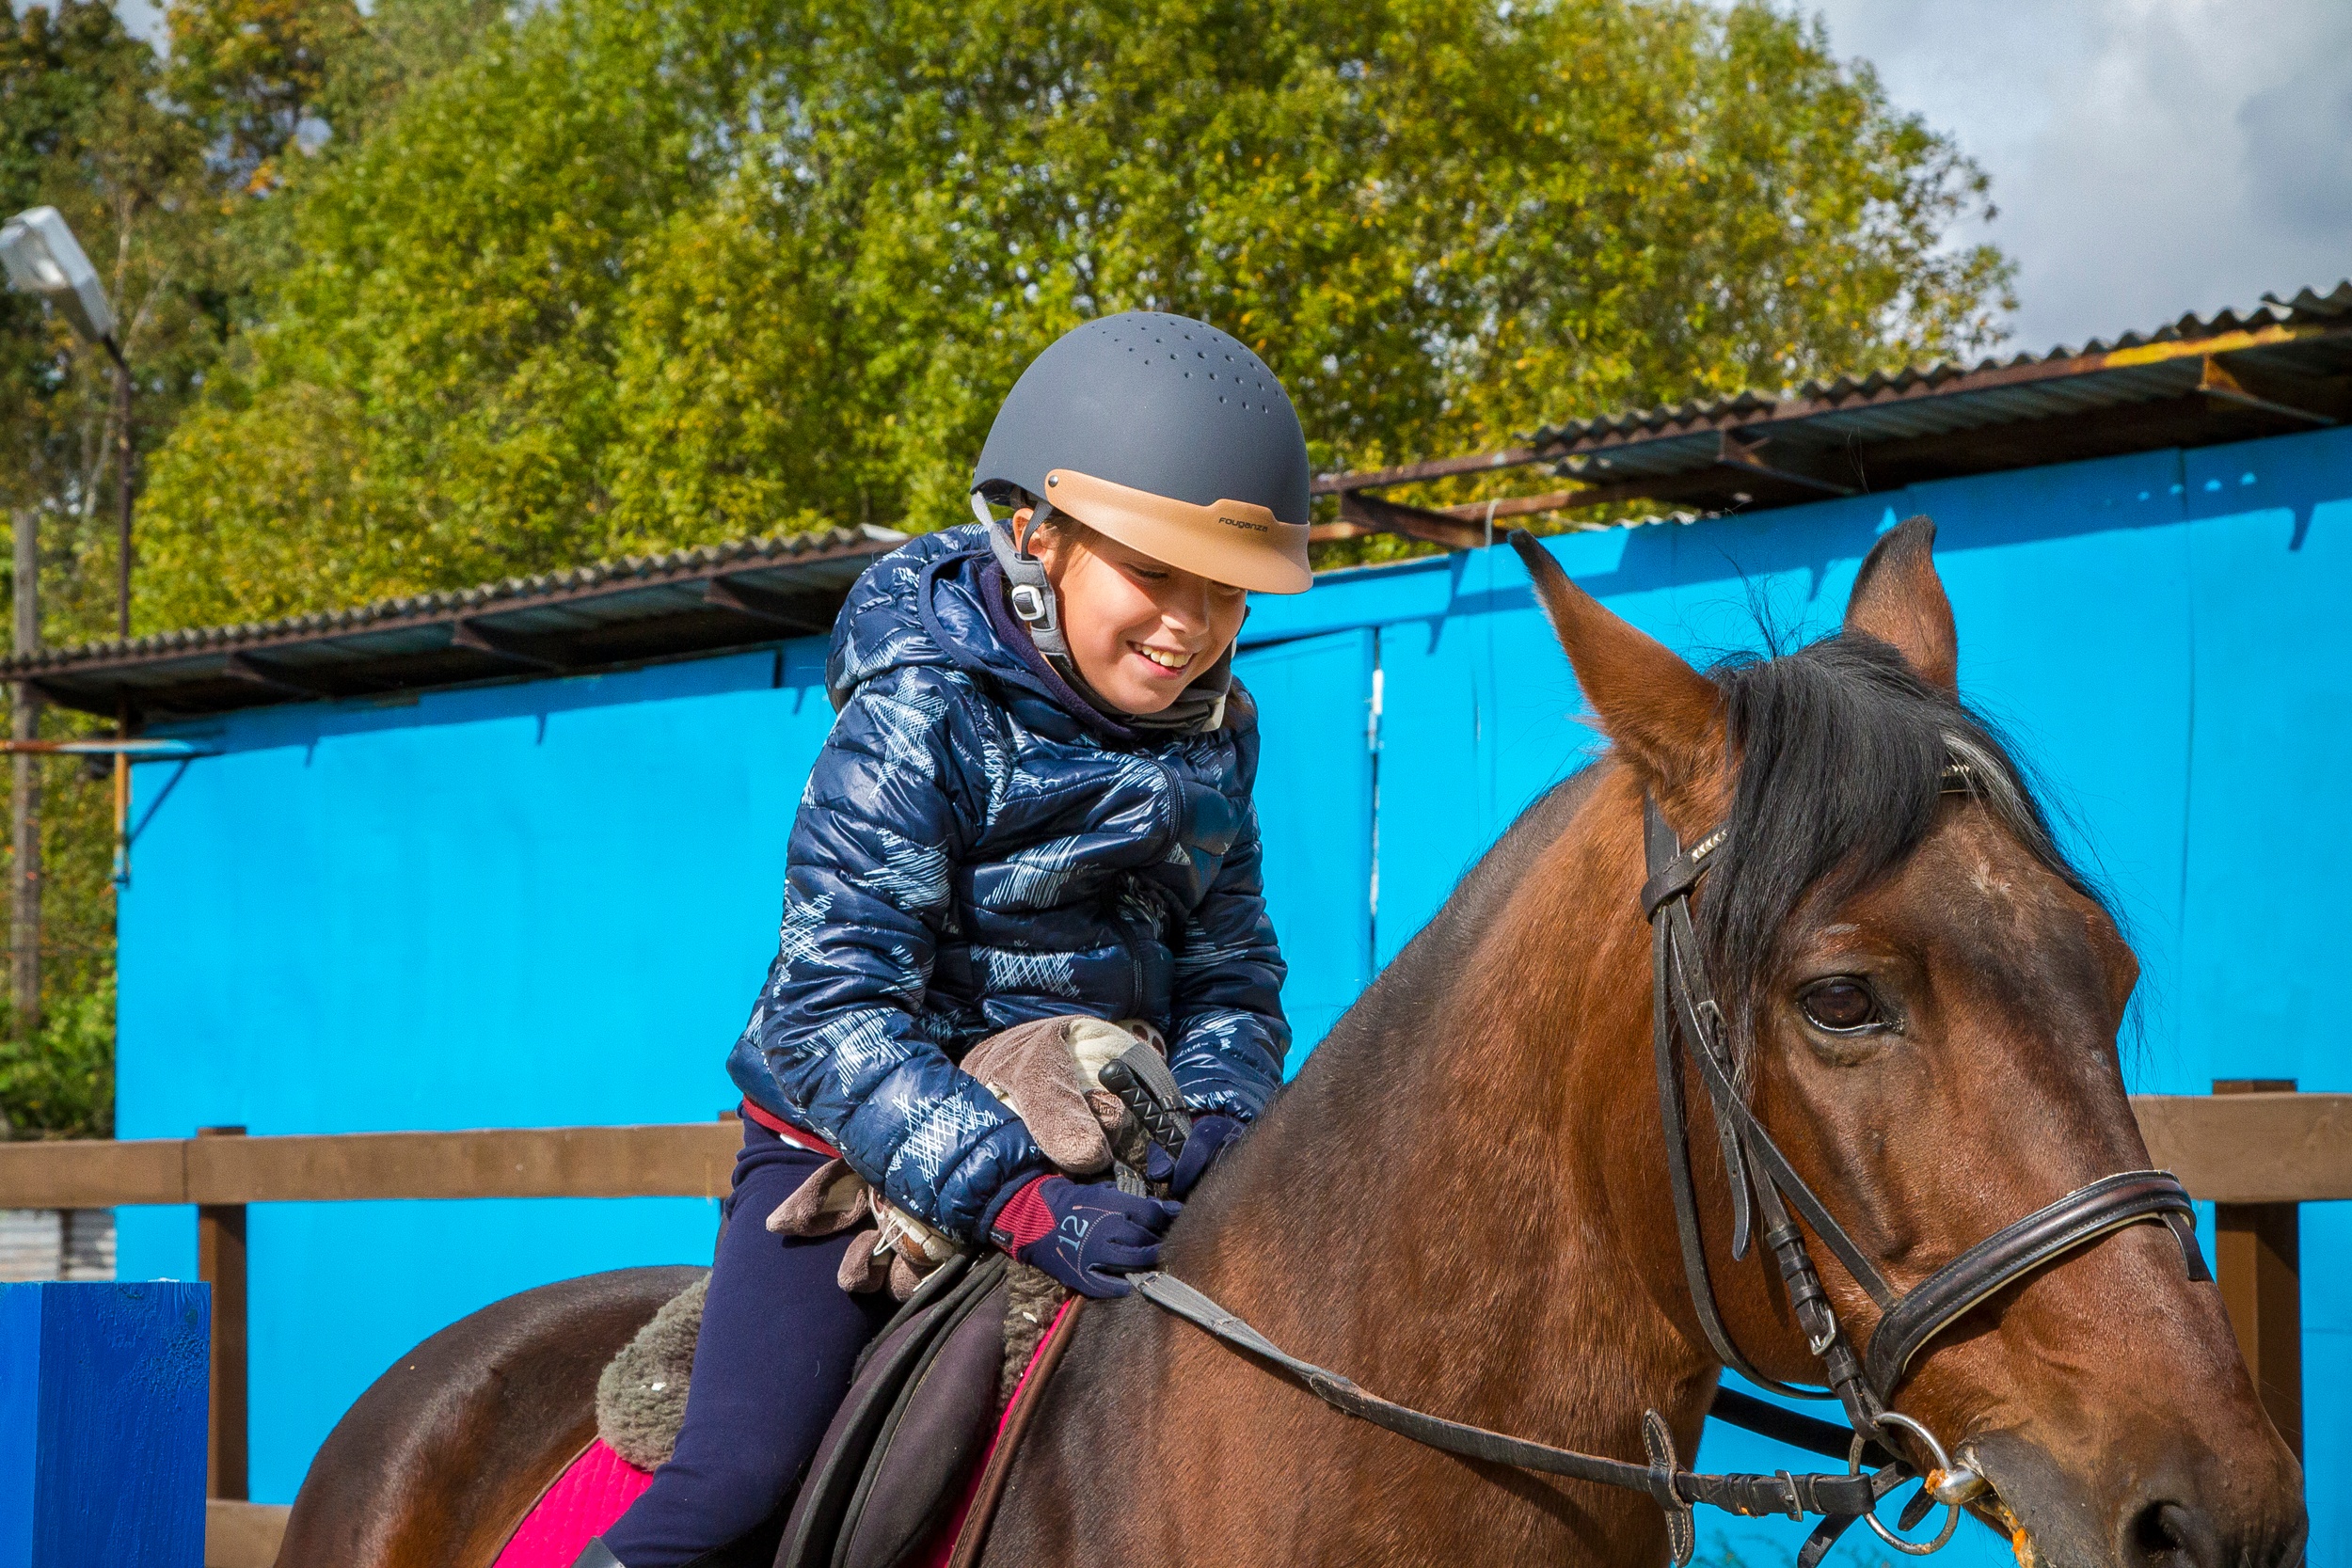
x=1763, y=1184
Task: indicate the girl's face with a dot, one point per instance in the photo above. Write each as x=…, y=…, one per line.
x=1139, y=629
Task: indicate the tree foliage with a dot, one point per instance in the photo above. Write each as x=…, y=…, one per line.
x=632, y=276
x=421, y=293
x=172, y=175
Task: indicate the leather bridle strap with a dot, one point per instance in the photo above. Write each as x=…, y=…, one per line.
x=1684, y=999
x=1763, y=1186
x=1673, y=1488
x=1683, y=1004
x=2041, y=1238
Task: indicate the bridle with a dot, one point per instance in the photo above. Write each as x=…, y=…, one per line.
x=1764, y=1185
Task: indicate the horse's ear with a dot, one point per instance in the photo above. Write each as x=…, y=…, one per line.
x=1649, y=701
x=1899, y=599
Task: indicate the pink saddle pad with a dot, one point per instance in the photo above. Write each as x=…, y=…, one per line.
x=594, y=1490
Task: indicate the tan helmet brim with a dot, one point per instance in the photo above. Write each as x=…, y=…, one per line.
x=1233, y=542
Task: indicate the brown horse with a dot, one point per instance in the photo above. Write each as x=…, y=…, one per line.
x=1462, y=1202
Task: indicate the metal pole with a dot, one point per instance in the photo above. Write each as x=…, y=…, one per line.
x=124, y=453
x=25, y=793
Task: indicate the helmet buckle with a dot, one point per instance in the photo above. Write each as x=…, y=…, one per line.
x=1029, y=604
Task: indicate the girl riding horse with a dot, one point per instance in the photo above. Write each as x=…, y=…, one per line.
x=1035, y=802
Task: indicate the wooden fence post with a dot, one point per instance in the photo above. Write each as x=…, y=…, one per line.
x=220, y=1262
x=102, y=1423
x=2257, y=1260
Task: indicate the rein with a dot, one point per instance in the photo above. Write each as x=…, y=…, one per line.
x=1763, y=1186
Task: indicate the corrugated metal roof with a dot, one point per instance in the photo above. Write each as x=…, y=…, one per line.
x=2286, y=364
x=621, y=612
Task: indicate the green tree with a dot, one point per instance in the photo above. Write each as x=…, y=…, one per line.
x=628, y=276
x=159, y=168
x=80, y=128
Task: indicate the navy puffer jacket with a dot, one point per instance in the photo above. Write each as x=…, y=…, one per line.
x=976, y=849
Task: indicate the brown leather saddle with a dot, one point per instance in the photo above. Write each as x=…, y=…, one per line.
x=896, y=1465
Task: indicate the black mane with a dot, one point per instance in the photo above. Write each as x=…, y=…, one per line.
x=1842, y=755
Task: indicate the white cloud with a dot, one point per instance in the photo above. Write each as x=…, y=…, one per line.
x=2149, y=157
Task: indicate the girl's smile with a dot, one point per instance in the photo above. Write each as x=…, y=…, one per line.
x=1140, y=630
x=1170, y=661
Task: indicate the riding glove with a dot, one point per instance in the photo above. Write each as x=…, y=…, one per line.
x=1209, y=1137
x=1085, y=1234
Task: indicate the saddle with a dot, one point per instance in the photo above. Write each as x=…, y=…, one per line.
x=897, y=1482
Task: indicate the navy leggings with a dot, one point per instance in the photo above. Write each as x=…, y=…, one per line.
x=778, y=1337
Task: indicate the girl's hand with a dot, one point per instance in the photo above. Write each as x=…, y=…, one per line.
x=1086, y=1234
x=1210, y=1136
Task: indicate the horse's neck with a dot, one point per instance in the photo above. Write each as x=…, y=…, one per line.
x=1437, y=1206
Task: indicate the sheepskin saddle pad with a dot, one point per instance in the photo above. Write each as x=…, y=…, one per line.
x=923, y=1403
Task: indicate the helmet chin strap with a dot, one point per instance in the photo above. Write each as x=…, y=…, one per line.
x=1030, y=590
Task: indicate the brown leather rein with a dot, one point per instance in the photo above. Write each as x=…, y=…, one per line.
x=1763, y=1184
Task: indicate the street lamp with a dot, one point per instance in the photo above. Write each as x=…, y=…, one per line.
x=44, y=258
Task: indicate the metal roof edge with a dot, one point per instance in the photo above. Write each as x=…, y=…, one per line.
x=509, y=595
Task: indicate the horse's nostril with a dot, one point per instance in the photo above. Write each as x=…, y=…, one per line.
x=2167, y=1535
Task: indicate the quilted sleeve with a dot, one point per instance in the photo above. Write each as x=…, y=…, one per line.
x=895, y=797
x=1230, y=1035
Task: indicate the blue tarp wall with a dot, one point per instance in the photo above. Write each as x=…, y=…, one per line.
x=551, y=903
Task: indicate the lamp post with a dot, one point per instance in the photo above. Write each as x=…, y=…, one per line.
x=42, y=257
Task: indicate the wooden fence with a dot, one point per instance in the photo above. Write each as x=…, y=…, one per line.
x=2254, y=1148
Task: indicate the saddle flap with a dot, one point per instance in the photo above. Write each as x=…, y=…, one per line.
x=889, y=1364
x=935, y=1431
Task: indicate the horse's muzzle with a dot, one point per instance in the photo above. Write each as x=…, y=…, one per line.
x=2180, y=1508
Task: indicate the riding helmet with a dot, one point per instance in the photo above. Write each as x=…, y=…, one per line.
x=1163, y=432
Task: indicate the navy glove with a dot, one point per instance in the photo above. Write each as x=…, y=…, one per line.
x=1209, y=1136
x=1084, y=1234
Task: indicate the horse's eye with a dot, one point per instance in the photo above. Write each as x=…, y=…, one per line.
x=1840, y=1007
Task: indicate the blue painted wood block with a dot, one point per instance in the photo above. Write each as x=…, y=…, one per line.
x=103, y=1393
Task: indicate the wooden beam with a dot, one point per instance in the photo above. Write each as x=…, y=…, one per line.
x=534, y=651
x=2257, y=1147
x=96, y=1174
x=241, y=1534
x=2264, y=1147
x=1769, y=458
x=1516, y=506
x=1411, y=522
x=221, y=1263
x=2258, y=1264
x=1441, y=468
x=797, y=612
x=59, y=696
x=255, y=672
x=694, y=1159
x=2296, y=398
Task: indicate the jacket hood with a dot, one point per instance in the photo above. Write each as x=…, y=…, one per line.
x=927, y=603
x=921, y=604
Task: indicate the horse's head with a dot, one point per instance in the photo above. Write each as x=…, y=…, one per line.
x=1923, y=1001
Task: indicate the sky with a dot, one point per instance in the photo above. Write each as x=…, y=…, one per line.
x=2149, y=157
